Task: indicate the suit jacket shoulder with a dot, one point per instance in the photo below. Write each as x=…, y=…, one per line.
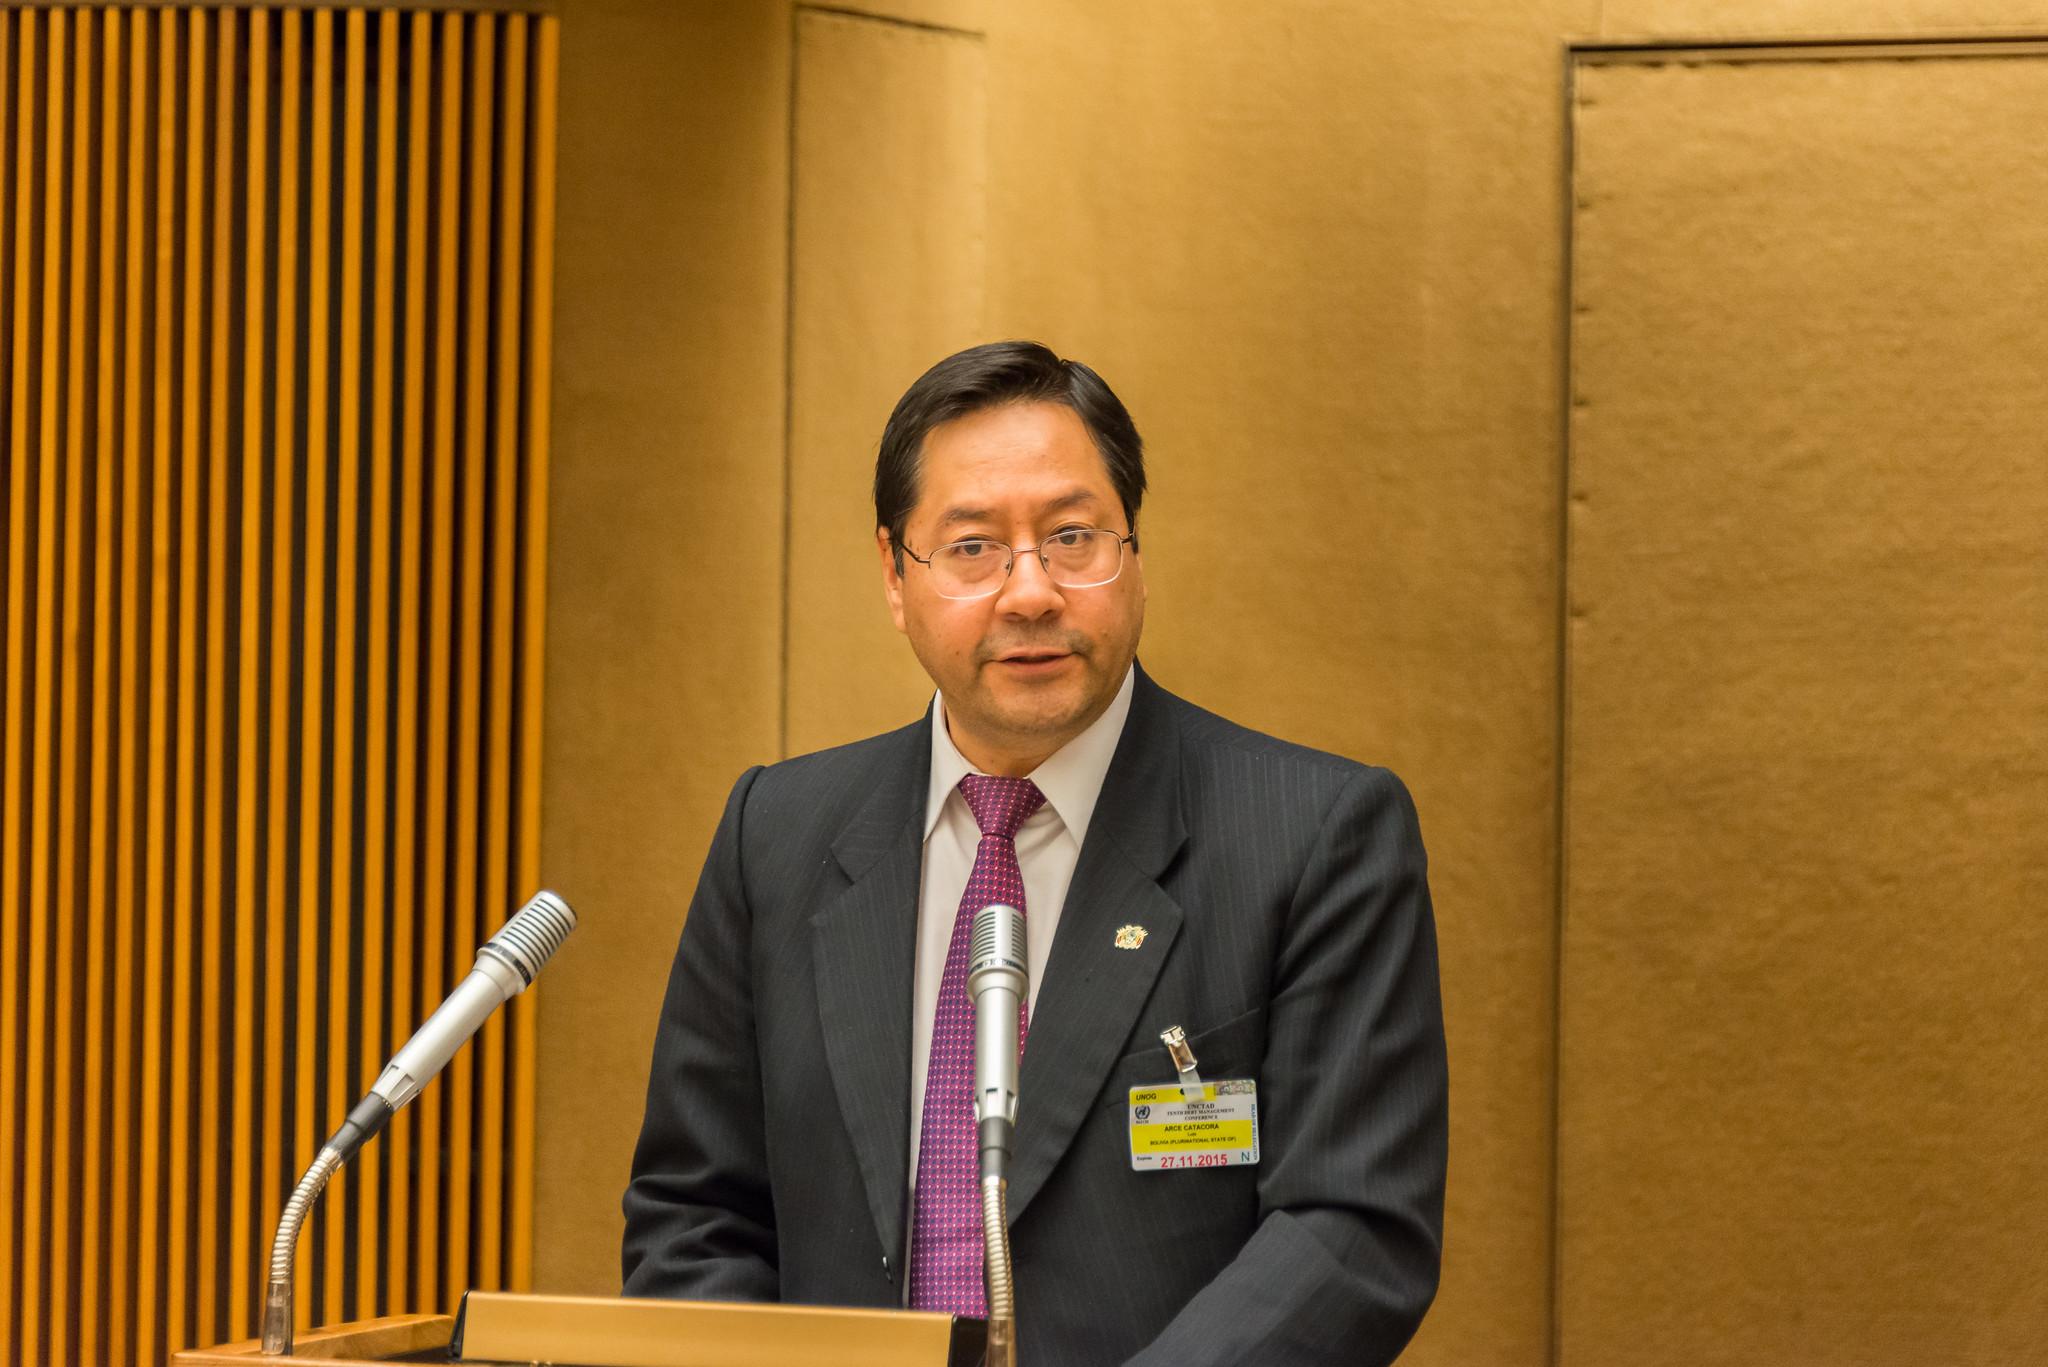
x=849, y=799
x=1216, y=749
x=1245, y=794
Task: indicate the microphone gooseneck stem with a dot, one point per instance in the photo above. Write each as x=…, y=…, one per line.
x=277, y=1291
x=1002, y=1309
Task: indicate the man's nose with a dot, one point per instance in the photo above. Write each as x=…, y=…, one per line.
x=1029, y=591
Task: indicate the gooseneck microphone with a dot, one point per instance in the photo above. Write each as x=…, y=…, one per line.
x=998, y=981
x=506, y=965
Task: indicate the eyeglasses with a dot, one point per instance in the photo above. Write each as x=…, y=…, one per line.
x=1077, y=558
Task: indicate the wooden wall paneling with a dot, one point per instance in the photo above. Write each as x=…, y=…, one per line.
x=429, y=1289
x=214, y=986
x=533, y=614
x=249, y=908
x=17, y=60
x=158, y=870
x=376, y=983
x=222, y=550
x=311, y=1090
x=50, y=479
x=186, y=823
x=94, y=1251
x=501, y=595
x=68, y=1069
x=412, y=511
x=13, y=918
x=469, y=688
x=130, y=760
x=342, y=908
x=282, y=1060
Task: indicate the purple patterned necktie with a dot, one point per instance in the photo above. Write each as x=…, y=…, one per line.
x=945, y=1233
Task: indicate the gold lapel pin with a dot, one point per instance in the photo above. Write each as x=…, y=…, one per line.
x=1130, y=937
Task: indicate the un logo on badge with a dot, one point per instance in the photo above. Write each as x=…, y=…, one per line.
x=1144, y=1113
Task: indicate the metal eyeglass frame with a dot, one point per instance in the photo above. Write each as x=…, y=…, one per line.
x=1011, y=567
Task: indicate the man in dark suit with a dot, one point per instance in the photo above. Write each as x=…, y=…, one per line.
x=803, y=1138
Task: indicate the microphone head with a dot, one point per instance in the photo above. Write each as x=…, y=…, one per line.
x=531, y=937
x=996, y=947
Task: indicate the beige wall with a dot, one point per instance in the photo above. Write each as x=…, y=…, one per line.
x=1808, y=756
x=1318, y=249
x=664, y=632
x=889, y=272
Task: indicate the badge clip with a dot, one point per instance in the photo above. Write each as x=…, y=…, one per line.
x=1176, y=1041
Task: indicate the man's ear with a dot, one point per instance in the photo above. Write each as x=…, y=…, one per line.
x=892, y=578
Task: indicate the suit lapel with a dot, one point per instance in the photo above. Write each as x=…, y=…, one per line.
x=863, y=946
x=1093, y=990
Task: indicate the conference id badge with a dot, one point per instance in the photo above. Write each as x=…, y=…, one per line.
x=1206, y=1125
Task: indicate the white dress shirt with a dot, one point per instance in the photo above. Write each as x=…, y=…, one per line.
x=1048, y=847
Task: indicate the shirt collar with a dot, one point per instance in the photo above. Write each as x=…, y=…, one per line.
x=1071, y=778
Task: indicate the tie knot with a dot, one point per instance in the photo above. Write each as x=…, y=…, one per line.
x=1000, y=805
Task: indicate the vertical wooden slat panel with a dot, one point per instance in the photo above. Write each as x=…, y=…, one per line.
x=310, y=1090
x=340, y=912
x=72, y=662
x=13, y=916
x=100, y=798
x=213, y=790
x=49, y=478
x=533, y=609
x=186, y=821
x=247, y=1170
x=412, y=512
x=279, y=1171
x=501, y=592
x=435, y=799
x=7, y=220
x=469, y=697
x=187, y=617
x=377, y=640
x=157, y=871
x=122, y=1217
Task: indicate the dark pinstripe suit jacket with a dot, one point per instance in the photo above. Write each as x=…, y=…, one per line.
x=1290, y=933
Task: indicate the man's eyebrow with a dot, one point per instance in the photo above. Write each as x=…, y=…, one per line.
x=1072, y=498
x=959, y=513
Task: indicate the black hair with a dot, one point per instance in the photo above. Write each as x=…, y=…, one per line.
x=989, y=376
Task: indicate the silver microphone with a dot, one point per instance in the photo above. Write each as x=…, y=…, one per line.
x=506, y=964
x=997, y=980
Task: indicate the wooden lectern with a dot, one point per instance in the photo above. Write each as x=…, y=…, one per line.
x=590, y=1331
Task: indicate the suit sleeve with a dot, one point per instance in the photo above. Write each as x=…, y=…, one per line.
x=700, y=1222
x=1352, y=1097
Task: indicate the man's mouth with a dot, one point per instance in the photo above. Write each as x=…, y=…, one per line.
x=1029, y=661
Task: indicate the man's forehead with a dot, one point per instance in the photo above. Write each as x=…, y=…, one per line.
x=977, y=510
x=1030, y=460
